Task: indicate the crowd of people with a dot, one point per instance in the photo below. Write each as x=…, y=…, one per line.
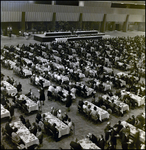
x=85, y=64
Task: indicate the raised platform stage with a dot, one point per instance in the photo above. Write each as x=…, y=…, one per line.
x=51, y=36
x=57, y=33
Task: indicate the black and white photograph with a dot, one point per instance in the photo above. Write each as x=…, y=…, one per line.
x=73, y=75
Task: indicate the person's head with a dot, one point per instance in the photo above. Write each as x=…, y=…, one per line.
x=89, y=135
x=108, y=123
x=101, y=136
x=59, y=111
x=69, y=119
x=86, y=103
x=33, y=124
x=133, y=116
x=15, y=130
x=95, y=108
x=119, y=121
x=21, y=117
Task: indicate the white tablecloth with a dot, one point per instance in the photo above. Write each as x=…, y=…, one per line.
x=12, y=63
x=46, y=82
x=25, y=71
x=41, y=59
x=11, y=90
x=133, y=130
x=109, y=70
x=87, y=144
x=138, y=99
x=103, y=114
x=4, y=112
x=89, y=91
x=106, y=86
x=28, y=138
x=28, y=61
x=31, y=105
x=123, y=106
x=62, y=127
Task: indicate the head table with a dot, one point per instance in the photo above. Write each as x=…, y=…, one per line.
x=4, y=112
x=28, y=138
x=103, y=114
x=11, y=90
x=62, y=127
x=87, y=144
x=31, y=105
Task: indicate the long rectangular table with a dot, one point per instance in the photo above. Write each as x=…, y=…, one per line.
x=25, y=71
x=46, y=82
x=62, y=127
x=10, y=89
x=103, y=114
x=31, y=105
x=28, y=138
x=87, y=144
x=123, y=106
x=133, y=130
x=138, y=99
x=4, y=112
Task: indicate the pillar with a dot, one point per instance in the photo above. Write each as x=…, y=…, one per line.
x=53, y=22
x=23, y=21
x=80, y=21
x=125, y=24
x=114, y=26
x=103, y=24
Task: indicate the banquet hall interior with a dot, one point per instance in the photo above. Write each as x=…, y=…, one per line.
x=73, y=74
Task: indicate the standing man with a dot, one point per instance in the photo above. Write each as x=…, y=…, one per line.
x=42, y=95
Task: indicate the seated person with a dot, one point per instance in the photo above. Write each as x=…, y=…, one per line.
x=75, y=145
x=70, y=124
x=94, y=114
x=38, y=117
x=29, y=94
x=54, y=130
x=59, y=115
x=34, y=128
x=65, y=118
x=8, y=129
x=80, y=105
x=92, y=137
x=28, y=125
x=15, y=137
x=54, y=111
x=19, y=87
x=85, y=106
x=22, y=119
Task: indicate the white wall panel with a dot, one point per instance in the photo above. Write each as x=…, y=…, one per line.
x=67, y=16
x=92, y=17
x=11, y=16
x=38, y=16
x=116, y=17
x=135, y=18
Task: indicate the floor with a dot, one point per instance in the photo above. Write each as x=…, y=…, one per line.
x=82, y=125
